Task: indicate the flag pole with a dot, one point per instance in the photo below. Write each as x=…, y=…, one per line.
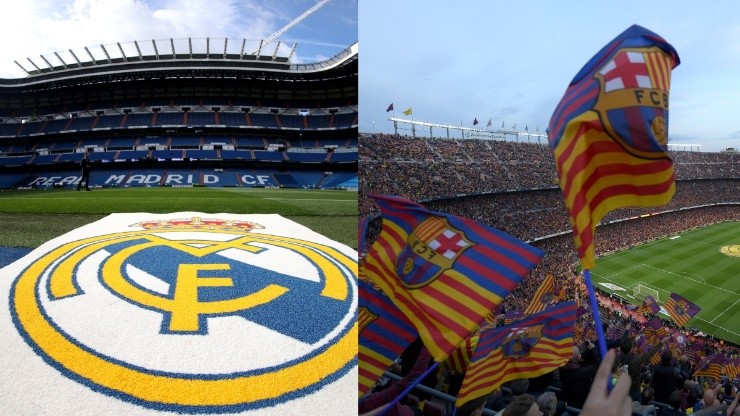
x=409, y=388
x=597, y=317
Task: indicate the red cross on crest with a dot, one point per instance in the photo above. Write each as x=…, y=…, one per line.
x=448, y=243
x=626, y=70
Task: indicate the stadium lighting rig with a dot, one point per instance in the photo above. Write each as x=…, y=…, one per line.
x=471, y=130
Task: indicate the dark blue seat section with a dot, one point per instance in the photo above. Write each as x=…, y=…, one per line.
x=236, y=155
x=122, y=143
x=14, y=160
x=201, y=154
x=185, y=141
x=268, y=156
x=232, y=119
x=344, y=157
x=247, y=141
x=316, y=157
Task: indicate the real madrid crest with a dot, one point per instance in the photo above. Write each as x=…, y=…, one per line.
x=194, y=314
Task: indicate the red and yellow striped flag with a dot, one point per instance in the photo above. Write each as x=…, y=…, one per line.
x=530, y=347
x=609, y=133
x=542, y=297
x=384, y=334
x=446, y=273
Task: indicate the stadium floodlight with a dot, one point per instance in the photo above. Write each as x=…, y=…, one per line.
x=141, y=58
x=76, y=58
x=120, y=48
x=47, y=62
x=156, y=51
x=105, y=51
x=91, y=56
x=61, y=60
x=292, y=52
x=24, y=69
x=34, y=64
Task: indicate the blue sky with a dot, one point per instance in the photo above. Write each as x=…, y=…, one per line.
x=39, y=27
x=511, y=61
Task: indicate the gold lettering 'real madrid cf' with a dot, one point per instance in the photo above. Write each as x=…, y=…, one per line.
x=52, y=282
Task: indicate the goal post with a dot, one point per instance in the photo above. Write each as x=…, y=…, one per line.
x=640, y=291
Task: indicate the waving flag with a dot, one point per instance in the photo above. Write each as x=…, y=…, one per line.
x=542, y=297
x=475, y=121
x=534, y=346
x=390, y=108
x=458, y=361
x=711, y=367
x=384, y=334
x=649, y=305
x=655, y=329
x=408, y=111
x=609, y=133
x=489, y=123
x=680, y=309
x=446, y=273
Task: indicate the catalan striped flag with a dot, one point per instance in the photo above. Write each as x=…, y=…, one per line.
x=446, y=273
x=711, y=367
x=458, y=361
x=384, y=334
x=609, y=133
x=531, y=347
x=732, y=368
x=649, y=306
x=654, y=328
x=542, y=297
x=408, y=111
x=680, y=309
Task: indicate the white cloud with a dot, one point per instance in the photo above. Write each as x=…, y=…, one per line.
x=42, y=26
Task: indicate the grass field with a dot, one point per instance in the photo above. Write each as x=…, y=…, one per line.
x=32, y=217
x=690, y=264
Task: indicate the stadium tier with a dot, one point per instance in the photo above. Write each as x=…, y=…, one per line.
x=194, y=113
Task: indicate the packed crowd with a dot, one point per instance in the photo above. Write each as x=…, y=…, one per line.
x=422, y=168
x=512, y=187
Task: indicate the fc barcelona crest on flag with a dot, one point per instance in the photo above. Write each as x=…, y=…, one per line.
x=521, y=343
x=633, y=99
x=431, y=249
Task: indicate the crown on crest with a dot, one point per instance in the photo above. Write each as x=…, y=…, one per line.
x=198, y=224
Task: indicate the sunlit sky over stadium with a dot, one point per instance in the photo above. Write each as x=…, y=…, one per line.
x=510, y=62
x=39, y=27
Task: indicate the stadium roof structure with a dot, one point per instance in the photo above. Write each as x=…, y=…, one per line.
x=198, y=57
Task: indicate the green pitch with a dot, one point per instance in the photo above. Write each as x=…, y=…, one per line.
x=697, y=265
x=33, y=217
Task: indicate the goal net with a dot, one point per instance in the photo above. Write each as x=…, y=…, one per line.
x=640, y=291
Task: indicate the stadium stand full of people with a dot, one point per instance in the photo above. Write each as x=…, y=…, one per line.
x=512, y=186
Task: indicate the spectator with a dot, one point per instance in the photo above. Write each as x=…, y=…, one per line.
x=548, y=403
x=643, y=407
x=674, y=406
x=634, y=362
x=523, y=405
x=577, y=375
x=664, y=378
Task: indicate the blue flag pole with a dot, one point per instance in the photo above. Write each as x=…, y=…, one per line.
x=597, y=317
x=409, y=388
x=362, y=231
